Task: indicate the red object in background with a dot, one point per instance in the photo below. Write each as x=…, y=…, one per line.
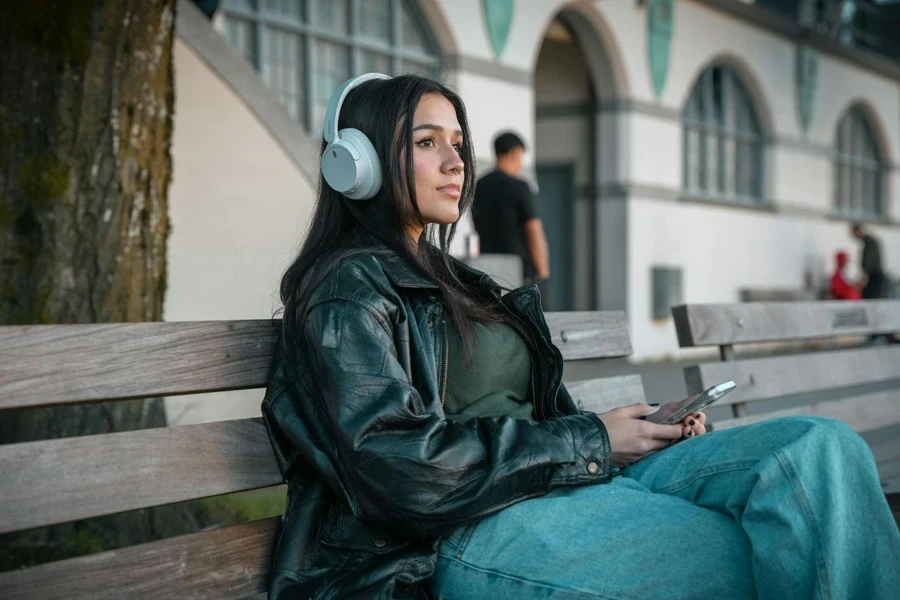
x=840, y=288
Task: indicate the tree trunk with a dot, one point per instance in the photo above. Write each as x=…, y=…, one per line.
x=86, y=103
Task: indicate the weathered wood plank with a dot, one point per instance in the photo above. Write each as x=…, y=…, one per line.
x=231, y=562
x=775, y=295
x=719, y=324
x=861, y=413
x=55, y=481
x=60, y=364
x=590, y=334
x=763, y=378
x=601, y=395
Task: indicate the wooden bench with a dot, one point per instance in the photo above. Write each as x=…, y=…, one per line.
x=57, y=481
x=850, y=379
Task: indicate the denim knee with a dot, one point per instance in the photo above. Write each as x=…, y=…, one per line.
x=833, y=434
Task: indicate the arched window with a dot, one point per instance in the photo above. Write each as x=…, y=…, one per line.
x=304, y=49
x=858, y=167
x=722, y=140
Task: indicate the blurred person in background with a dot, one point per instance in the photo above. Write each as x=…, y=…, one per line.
x=877, y=284
x=841, y=288
x=504, y=215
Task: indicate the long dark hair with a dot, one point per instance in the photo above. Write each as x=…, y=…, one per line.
x=384, y=110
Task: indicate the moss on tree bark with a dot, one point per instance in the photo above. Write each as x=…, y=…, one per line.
x=86, y=103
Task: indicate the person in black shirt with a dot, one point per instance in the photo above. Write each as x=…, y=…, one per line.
x=877, y=283
x=504, y=215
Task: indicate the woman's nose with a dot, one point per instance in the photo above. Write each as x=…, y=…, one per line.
x=453, y=163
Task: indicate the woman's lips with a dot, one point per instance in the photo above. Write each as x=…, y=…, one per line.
x=450, y=190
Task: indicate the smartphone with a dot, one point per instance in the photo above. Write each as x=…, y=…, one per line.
x=676, y=412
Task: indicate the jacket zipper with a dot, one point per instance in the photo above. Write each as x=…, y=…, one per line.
x=446, y=361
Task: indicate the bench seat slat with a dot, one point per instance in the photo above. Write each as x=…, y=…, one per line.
x=722, y=324
x=56, y=481
x=861, y=413
x=64, y=364
x=227, y=563
x=765, y=378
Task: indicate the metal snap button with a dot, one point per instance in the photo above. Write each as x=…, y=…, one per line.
x=593, y=468
x=380, y=543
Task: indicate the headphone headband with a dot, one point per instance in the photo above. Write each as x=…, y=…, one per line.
x=337, y=100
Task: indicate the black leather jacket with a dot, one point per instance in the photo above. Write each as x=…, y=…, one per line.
x=376, y=474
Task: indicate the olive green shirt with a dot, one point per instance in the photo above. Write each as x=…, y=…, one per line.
x=495, y=382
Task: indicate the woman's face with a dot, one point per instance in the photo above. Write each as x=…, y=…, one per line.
x=437, y=139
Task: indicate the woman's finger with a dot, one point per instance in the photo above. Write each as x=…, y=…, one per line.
x=635, y=411
x=690, y=421
x=700, y=417
x=662, y=432
x=694, y=424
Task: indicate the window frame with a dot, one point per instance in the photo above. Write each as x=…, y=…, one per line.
x=260, y=20
x=849, y=156
x=720, y=138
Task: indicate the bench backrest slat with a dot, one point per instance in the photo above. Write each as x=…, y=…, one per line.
x=226, y=563
x=861, y=413
x=62, y=364
x=65, y=364
x=601, y=395
x=726, y=324
x=590, y=334
x=765, y=378
x=56, y=481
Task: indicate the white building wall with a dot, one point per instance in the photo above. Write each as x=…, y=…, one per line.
x=492, y=106
x=227, y=250
x=654, y=151
x=722, y=248
x=464, y=24
x=238, y=206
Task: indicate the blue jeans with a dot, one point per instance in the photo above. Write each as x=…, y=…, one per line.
x=785, y=509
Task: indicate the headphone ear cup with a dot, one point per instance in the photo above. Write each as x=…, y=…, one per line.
x=350, y=165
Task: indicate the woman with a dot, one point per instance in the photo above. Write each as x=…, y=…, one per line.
x=430, y=449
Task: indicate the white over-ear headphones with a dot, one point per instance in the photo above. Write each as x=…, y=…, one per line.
x=350, y=164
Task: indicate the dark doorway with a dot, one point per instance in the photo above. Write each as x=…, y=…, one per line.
x=556, y=207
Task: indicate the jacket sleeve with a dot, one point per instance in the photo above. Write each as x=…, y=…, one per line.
x=399, y=462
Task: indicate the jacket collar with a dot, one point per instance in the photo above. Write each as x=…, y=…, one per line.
x=400, y=272
x=403, y=275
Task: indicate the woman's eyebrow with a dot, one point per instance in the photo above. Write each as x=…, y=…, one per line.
x=433, y=127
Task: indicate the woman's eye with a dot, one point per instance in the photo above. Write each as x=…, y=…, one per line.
x=458, y=147
x=426, y=143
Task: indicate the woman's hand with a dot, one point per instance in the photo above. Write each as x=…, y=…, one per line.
x=694, y=425
x=631, y=439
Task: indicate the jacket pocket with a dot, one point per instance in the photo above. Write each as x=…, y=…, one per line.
x=340, y=529
x=456, y=542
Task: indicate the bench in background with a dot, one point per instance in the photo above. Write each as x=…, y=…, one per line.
x=62, y=480
x=859, y=385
